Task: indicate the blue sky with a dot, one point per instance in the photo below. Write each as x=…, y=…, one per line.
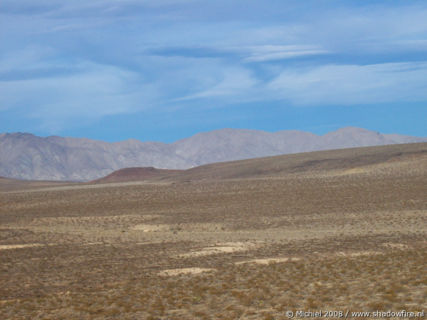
x=164, y=70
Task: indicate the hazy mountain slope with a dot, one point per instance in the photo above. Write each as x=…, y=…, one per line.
x=235, y=144
x=26, y=156
x=292, y=141
x=227, y=145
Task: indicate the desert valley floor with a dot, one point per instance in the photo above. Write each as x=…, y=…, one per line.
x=333, y=230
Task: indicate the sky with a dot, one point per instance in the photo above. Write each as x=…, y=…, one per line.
x=163, y=70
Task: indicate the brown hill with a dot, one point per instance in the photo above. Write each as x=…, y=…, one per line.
x=373, y=160
x=378, y=159
x=136, y=174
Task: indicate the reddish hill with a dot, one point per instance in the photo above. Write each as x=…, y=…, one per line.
x=136, y=174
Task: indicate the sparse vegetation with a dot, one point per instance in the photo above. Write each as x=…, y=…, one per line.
x=241, y=248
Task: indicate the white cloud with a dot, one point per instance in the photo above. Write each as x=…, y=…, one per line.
x=93, y=92
x=353, y=84
x=30, y=58
x=233, y=81
x=280, y=52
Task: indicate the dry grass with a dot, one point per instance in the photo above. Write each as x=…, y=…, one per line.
x=232, y=249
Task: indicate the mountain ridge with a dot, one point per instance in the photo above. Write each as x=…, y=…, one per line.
x=27, y=156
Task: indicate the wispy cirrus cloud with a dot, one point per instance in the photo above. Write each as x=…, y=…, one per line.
x=255, y=53
x=353, y=84
x=277, y=52
x=233, y=82
x=88, y=91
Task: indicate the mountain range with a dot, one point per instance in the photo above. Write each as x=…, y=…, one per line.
x=26, y=156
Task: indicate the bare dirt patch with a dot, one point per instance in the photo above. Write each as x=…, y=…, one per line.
x=177, y=272
x=228, y=247
x=358, y=253
x=269, y=260
x=19, y=246
x=150, y=227
x=181, y=227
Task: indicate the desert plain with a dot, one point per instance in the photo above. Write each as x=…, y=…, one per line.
x=340, y=230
